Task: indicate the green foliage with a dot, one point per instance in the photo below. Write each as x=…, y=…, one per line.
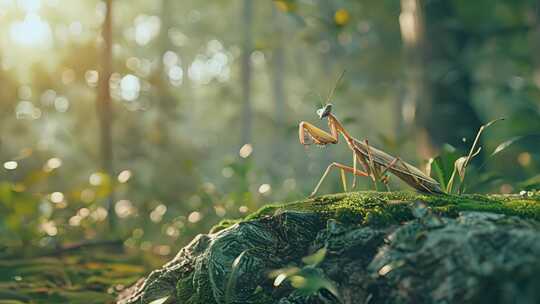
x=442, y=166
x=19, y=225
x=448, y=163
x=306, y=280
x=315, y=258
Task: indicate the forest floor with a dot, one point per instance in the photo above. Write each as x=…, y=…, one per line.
x=99, y=274
x=81, y=277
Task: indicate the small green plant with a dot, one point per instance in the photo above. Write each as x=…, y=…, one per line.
x=441, y=165
x=308, y=279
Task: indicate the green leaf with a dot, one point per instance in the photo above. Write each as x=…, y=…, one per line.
x=503, y=146
x=462, y=162
x=316, y=257
x=234, y=275
x=311, y=280
x=442, y=166
x=492, y=122
x=160, y=300
x=287, y=271
x=463, y=167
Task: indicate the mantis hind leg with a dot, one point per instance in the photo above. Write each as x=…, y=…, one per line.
x=343, y=169
x=354, y=167
x=385, y=178
x=373, y=168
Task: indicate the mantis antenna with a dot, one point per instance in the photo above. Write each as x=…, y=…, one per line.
x=321, y=101
x=331, y=93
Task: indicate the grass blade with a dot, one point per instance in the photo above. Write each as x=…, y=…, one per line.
x=472, y=153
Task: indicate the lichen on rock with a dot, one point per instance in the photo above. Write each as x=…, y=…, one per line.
x=371, y=248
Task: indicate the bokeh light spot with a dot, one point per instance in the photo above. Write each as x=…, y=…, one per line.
x=227, y=172
x=124, y=208
x=243, y=209
x=341, y=17
x=49, y=228
x=265, y=189
x=194, y=217
x=157, y=214
x=524, y=159
x=11, y=165
x=246, y=150
x=124, y=176
x=53, y=163
x=130, y=87
x=61, y=104
x=57, y=197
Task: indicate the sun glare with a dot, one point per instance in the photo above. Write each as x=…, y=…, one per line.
x=32, y=31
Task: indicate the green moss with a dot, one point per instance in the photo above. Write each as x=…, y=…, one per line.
x=383, y=208
x=224, y=224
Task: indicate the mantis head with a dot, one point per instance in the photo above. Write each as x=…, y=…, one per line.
x=324, y=111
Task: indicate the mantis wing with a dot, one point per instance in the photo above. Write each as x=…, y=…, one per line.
x=405, y=171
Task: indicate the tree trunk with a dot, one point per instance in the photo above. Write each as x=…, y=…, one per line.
x=104, y=109
x=415, y=95
x=278, y=79
x=247, y=48
x=449, y=117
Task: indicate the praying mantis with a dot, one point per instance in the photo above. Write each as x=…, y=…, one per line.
x=375, y=163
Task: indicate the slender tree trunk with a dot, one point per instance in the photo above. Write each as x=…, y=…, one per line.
x=415, y=92
x=104, y=109
x=278, y=79
x=247, y=49
x=279, y=145
x=165, y=99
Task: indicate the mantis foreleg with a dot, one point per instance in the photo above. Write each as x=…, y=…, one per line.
x=318, y=135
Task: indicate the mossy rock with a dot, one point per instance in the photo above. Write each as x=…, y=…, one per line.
x=364, y=247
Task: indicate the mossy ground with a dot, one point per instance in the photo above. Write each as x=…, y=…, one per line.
x=386, y=208
x=352, y=228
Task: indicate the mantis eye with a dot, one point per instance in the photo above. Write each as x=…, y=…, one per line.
x=320, y=112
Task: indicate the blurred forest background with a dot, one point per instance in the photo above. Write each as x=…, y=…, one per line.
x=147, y=122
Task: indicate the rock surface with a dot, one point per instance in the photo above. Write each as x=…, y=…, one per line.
x=361, y=248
